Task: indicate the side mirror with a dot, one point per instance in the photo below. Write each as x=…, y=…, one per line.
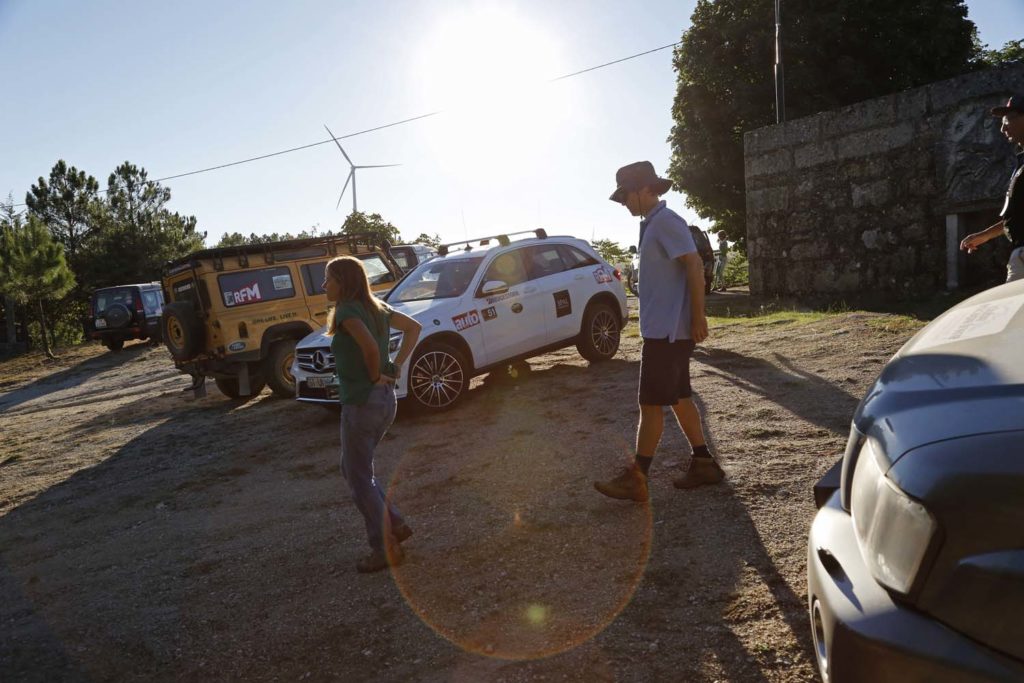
x=492, y=287
x=632, y=249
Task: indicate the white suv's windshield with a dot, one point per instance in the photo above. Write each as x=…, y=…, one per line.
x=437, y=279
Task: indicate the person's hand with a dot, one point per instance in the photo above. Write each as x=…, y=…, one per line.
x=972, y=242
x=385, y=379
x=699, y=328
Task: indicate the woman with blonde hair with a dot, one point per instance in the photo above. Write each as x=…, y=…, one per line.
x=360, y=325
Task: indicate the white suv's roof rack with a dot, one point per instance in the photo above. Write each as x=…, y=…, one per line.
x=503, y=240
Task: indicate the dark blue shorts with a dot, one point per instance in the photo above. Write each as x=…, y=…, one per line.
x=665, y=371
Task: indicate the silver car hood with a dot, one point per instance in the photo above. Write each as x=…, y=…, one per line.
x=962, y=374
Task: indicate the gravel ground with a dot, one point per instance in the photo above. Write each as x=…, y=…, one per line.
x=145, y=534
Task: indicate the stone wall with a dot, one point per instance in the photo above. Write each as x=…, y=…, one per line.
x=869, y=200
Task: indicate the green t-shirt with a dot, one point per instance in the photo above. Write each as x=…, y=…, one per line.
x=354, y=381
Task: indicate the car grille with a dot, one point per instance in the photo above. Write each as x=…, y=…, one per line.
x=329, y=394
x=319, y=360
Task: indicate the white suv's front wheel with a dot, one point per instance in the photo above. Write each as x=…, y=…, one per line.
x=438, y=377
x=599, y=337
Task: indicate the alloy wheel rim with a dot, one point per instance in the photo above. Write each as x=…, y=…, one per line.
x=436, y=380
x=605, y=333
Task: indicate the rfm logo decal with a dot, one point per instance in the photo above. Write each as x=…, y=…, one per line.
x=243, y=295
x=466, y=320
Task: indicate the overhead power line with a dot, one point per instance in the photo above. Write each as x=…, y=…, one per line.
x=386, y=125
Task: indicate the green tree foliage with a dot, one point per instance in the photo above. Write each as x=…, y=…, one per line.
x=66, y=205
x=32, y=267
x=137, y=233
x=426, y=239
x=611, y=251
x=236, y=239
x=1012, y=51
x=359, y=222
x=835, y=53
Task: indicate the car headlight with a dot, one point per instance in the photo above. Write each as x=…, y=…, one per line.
x=396, y=341
x=894, y=530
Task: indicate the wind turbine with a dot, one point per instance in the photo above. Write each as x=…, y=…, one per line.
x=352, y=173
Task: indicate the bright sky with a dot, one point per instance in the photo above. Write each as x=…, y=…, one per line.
x=179, y=86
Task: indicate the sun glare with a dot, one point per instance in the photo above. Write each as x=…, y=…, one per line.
x=487, y=69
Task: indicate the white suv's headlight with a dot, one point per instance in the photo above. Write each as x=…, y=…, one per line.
x=396, y=341
x=894, y=531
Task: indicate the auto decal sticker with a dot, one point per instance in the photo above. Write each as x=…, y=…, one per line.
x=466, y=320
x=490, y=313
x=282, y=281
x=602, y=275
x=243, y=294
x=970, y=322
x=502, y=297
x=563, y=303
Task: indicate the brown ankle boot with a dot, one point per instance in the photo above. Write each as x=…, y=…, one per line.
x=629, y=484
x=700, y=472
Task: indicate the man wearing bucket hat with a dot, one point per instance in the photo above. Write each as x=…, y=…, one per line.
x=672, y=322
x=1012, y=215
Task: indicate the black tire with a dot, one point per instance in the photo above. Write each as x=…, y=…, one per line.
x=600, y=333
x=633, y=283
x=114, y=344
x=438, y=377
x=229, y=386
x=182, y=331
x=277, y=368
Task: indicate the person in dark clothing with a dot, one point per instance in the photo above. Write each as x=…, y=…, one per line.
x=1011, y=221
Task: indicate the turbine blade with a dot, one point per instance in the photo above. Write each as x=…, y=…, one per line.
x=379, y=166
x=339, y=145
x=345, y=187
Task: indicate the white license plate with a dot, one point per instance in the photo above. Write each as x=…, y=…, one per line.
x=100, y=322
x=318, y=382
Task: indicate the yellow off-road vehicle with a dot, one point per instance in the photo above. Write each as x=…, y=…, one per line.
x=235, y=313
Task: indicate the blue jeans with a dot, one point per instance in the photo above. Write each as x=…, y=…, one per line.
x=362, y=428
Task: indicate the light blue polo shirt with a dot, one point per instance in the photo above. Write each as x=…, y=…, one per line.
x=664, y=292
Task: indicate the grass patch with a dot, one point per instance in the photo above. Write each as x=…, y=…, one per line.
x=770, y=319
x=903, y=325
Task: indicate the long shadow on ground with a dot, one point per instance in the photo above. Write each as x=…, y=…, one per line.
x=81, y=372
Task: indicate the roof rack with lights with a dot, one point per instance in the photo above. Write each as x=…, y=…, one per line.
x=503, y=240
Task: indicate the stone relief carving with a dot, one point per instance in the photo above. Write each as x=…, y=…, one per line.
x=974, y=160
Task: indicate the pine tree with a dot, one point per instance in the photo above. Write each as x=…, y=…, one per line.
x=32, y=268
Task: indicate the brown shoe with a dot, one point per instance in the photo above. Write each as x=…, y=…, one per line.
x=380, y=559
x=629, y=484
x=402, y=533
x=701, y=471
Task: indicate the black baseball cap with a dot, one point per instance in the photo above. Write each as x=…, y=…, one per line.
x=1015, y=103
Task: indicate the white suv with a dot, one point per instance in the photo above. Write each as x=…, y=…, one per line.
x=483, y=305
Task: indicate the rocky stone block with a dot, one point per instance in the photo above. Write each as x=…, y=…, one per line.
x=880, y=111
x=870, y=194
x=768, y=199
x=814, y=154
x=770, y=163
x=878, y=141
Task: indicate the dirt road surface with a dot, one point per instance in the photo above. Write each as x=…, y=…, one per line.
x=145, y=534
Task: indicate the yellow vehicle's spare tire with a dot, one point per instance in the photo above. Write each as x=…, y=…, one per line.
x=182, y=330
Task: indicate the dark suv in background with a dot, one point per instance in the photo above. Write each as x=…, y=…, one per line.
x=124, y=312
x=916, y=556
